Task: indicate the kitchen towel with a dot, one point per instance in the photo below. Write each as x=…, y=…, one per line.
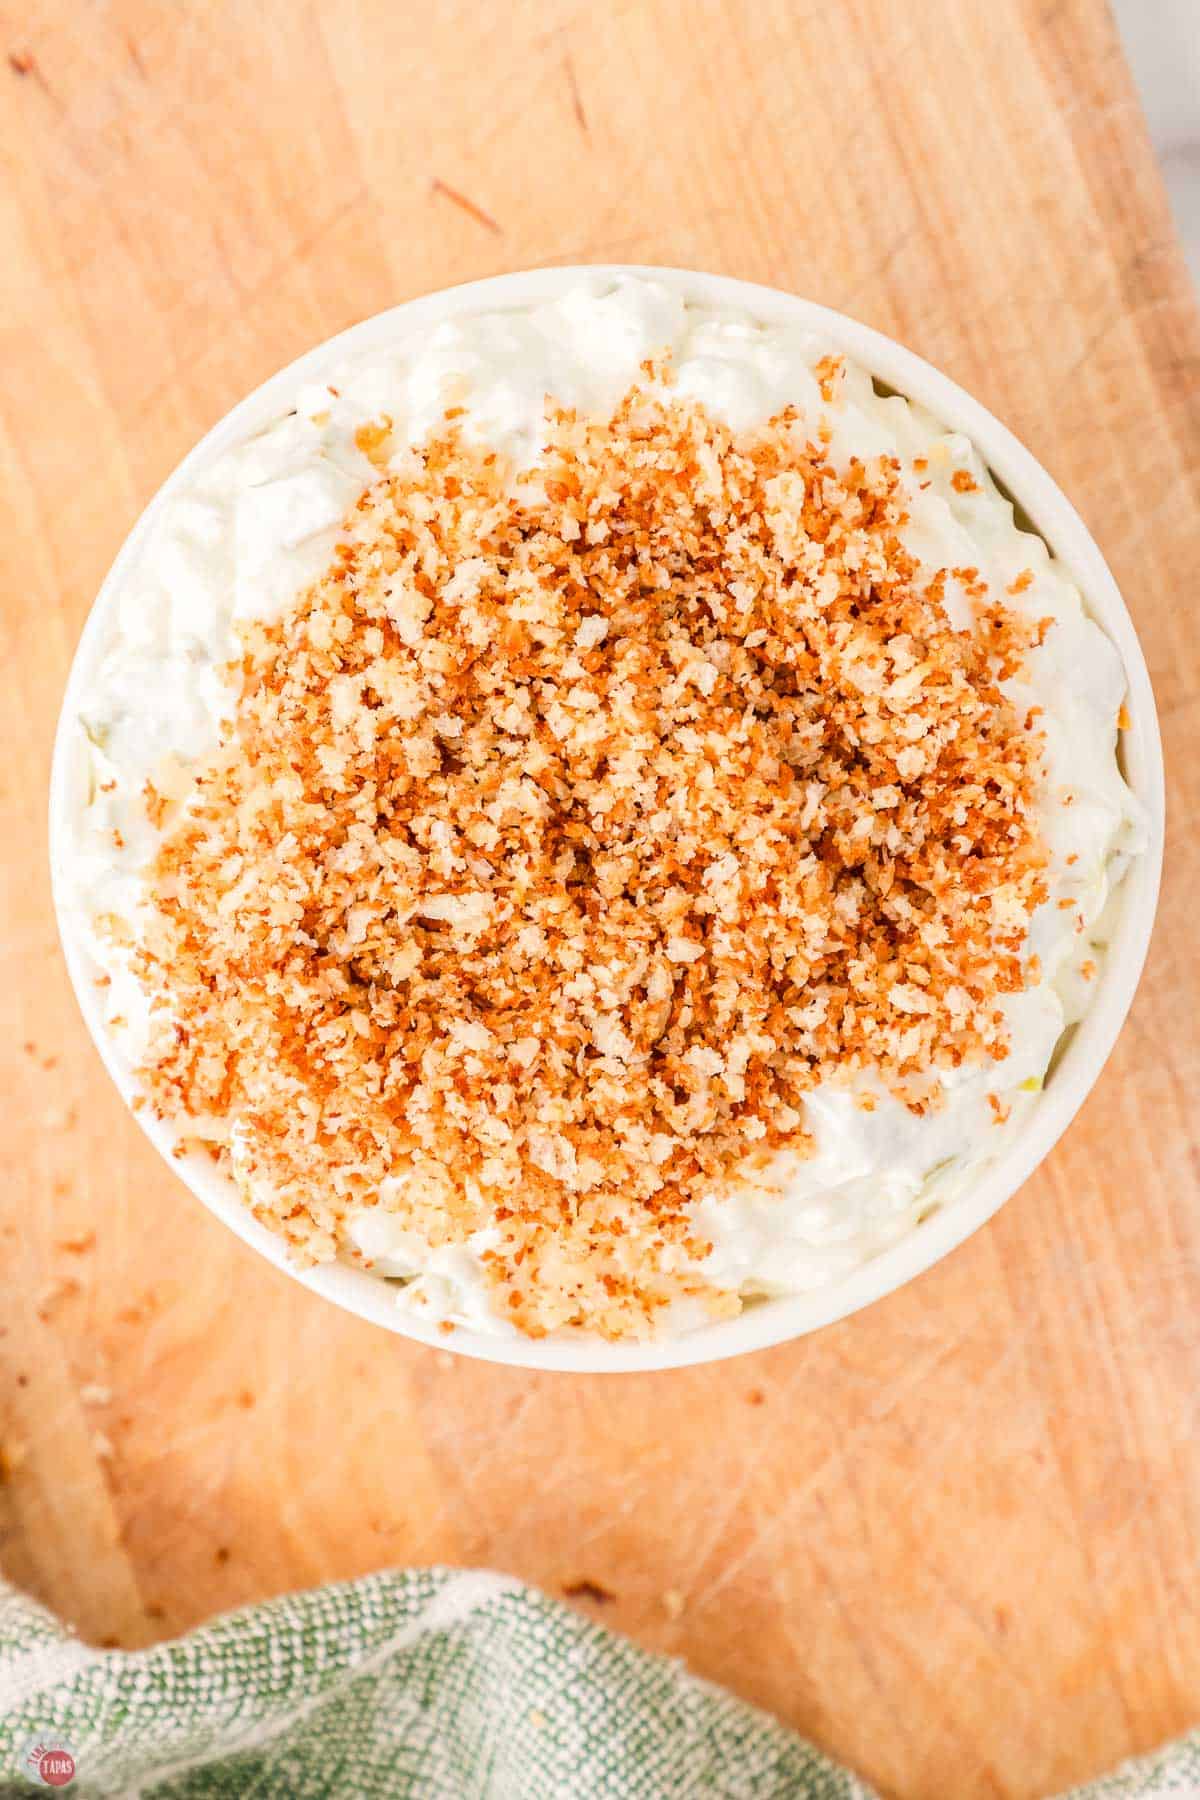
x=427, y=1684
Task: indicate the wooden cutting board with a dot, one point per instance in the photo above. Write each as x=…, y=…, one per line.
x=954, y=1539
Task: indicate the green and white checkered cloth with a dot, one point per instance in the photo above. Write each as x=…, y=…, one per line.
x=422, y=1685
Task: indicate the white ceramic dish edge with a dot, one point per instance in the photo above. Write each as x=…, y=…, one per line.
x=771, y=1321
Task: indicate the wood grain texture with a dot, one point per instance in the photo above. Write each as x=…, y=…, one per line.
x=954, y=1539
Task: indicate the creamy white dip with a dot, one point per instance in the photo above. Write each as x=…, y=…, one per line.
x=260, y=523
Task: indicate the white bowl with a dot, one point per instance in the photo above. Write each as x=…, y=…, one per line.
x=770, y=1321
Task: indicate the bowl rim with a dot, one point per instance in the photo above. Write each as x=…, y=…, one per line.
x=770, y=1321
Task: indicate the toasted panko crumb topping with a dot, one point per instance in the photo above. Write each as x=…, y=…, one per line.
x=575, y=825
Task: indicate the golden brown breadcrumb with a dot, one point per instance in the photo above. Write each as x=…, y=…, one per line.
x=574, y=825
